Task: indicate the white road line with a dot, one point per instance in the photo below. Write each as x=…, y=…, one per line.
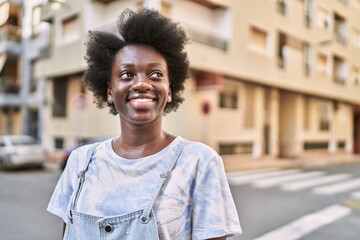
x=306, y=224
x=251, y=177
x=355, y=195
x=338, y=187
x=242, y=173
x=307, y=183
x=270, y=182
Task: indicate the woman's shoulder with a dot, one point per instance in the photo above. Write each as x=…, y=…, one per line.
x=79, y=156
x=199, y=151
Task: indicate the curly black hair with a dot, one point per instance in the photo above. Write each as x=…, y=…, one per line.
x=147, y=27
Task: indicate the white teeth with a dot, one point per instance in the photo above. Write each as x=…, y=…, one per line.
x=142, y=100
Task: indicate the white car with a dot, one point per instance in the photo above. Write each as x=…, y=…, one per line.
x=20, y=151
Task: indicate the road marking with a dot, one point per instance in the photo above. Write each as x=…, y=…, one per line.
x=307, y=183
x=270, y=182
x=306, y=224
x=251, y=177
x=355, y=195
x=242, y=173
x=338, y=187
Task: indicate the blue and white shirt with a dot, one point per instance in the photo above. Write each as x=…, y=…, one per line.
x=194, y=203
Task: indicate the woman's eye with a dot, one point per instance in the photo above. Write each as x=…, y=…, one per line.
x=156, y=74
x=125, y=75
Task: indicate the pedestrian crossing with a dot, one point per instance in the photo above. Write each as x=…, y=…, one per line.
x=318, y=183
x=292, y=180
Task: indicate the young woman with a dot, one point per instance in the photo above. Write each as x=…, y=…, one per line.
x=145, y=183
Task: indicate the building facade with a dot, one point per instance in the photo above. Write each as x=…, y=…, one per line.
x=23, y=40
x=277, y=78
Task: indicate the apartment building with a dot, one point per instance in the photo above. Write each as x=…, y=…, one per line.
x=277, y=78
x=23, y=39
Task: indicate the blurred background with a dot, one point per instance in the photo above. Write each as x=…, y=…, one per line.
x=274, y=88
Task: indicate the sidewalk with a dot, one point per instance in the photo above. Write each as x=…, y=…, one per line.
x=240, y=163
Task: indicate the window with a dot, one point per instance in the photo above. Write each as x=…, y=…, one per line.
x=228, y=99
x=307, y=113
x=35, y=21
x=321, y=64
x=282, y=51
x=324, y=110
x=258, y=39
x=60, y=95
x=308, y=12
x=339, y=70
x=356, y=37
x=282, y=6
x=340, y=29
x=307, y=53
x=355, y=76
x=59, y=143
x=70, y=29
x=236, y=148
x=165, y=9
x=249, y=113
x=323, y=19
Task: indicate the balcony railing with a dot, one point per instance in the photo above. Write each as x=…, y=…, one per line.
x=206, y=37
x=10, y=33
x=341, y=38
x=9, y=85
x=340, y=80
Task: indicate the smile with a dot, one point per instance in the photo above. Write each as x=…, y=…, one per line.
x=142, y=100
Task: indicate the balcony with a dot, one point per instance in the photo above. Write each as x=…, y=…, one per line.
x=213, y=3
x=105, y=1
x=10, y=39
x=206, y=37
x=9, y=91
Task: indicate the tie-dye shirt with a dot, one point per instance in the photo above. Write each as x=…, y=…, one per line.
x=194, y=203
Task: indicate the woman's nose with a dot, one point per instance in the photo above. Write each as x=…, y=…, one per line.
x=141, y=83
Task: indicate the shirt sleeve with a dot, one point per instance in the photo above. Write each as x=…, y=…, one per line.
x=60, y=200
x=214, y=211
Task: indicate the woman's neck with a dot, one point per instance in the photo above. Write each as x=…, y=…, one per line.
x=140, y=141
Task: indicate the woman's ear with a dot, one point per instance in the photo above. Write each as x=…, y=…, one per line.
x=110, y=99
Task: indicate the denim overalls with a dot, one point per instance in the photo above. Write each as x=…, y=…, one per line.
x=140, y=224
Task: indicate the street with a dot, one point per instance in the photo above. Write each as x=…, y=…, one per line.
x=309, y=204
x=24, y=196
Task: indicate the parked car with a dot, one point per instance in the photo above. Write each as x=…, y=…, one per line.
x=67, y=151
x=17, y=151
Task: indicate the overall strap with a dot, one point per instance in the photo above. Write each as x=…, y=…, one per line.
x=81, y=179
x=172, y=159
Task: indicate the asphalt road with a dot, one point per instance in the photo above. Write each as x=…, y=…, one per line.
x=23, y=200
x=266, y=210
x=294, y=204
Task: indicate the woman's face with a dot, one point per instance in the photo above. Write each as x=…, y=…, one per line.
x=139, y=86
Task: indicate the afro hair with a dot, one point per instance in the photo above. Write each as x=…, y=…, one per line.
x=146, y=27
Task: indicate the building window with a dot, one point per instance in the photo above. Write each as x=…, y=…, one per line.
x=282, y=51
x=165, y=9
x=228, y=99
x=308, y=12
x=36, y=21
x=60, y=95
x=59, y=143
x=258, y=39
x=321, y=64
x=355, y=76
x=356, y=37
x=283, y=6
x=324, y=110
x=70, y=29
x=307, y=53
x=307, y=115
x=323, y=19
x=249, y=112
x=339, y=70
x=340, y=29
x=235, y=148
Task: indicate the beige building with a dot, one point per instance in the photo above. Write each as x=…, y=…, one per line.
x=268, y=78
